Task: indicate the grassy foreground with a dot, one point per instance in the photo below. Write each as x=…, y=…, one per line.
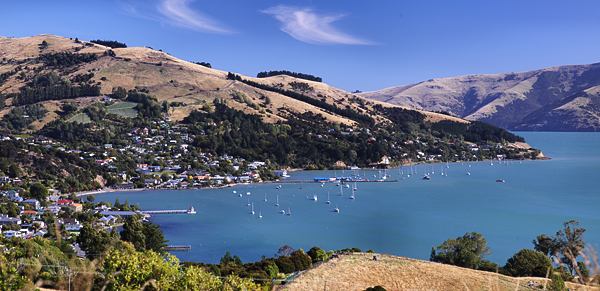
x=359, y=271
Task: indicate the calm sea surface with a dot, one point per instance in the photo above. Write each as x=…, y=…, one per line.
x=405, y=218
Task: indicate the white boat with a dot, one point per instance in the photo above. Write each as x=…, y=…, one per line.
x=248, y=202
x=336, y=209
x=352, y=196
x=282, y=211
x=426, y=177
x=252, y=208
x=328, y=202
x=322, y=184
x=260, y=215
x=240, y=195
x=289, y=213
x=341, y=191
x=265, y=196
x=234, y=192
x=315, y=197
x=347, y=186
x=248, y=192
x=355, y=186
x=468, y=174
x=277, y=201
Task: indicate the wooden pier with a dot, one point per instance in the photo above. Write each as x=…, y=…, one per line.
x=165, y=211
x=184, y=248
x=331, y=182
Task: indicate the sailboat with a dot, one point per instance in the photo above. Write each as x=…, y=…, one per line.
x=336, y=209
x=260, y=215
x=447, y=164
x=248, y=192
x=341, y=191
x=328, y=202
x=282, y=211
x=315, y=197
x=352, y=196
x=277, y=201
x=248, y=202
x=252, y=208
x=355, y=186
x=289, y=213
x=265, y=196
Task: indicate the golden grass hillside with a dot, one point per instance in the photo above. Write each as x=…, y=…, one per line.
x=175, y=80
x=359, y=271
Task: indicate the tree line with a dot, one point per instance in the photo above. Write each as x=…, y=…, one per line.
x=563, y=248
x=288, y=73
x=110, y=43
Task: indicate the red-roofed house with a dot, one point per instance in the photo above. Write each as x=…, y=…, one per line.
x=64, y=202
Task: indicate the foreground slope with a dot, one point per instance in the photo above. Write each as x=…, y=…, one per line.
x=359, y=271
x=564, y=98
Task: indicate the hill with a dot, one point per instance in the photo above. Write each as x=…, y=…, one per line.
x=168, y=78
x=74, y=92
x=563, y=98
x=359, y=271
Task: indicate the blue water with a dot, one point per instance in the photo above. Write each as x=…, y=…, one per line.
x=405, y=218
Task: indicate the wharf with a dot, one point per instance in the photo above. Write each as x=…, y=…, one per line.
x=345, y=181
x=178, y=248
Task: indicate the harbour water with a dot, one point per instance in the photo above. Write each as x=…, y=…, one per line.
x=405, y=218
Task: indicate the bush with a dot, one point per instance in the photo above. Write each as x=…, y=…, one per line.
x=528, y=263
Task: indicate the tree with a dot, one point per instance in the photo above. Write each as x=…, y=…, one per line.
x=528, y=263
x=38, y=191
x=165, y=106
x=285, y=250
x=94, y=241
x=465, y=251
x=133, y=232
x=91, y=198
x=155, y=239
x=565, y=246
x=14, y=171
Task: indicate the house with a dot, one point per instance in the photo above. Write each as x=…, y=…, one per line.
x=106, y=99
x=281, y=173
x=123, y=214
x=76, y=207
x=124, y=186
x=33, y=203
x=5, y=220
x=12, y=233
x=4, y=179
x=53, y=208
x=64, y=202
x=151, y=182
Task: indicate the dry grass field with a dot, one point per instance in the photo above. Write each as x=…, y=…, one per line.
x=359, y=271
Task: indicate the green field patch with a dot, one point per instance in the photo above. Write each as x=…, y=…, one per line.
x=81, y=118
x=126, y=109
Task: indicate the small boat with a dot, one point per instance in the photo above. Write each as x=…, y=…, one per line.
x=282, y=211
x=234, y=192
x=315, y=197
x=260, y=215
x=355, y=186
x=289, y=212
x=347, y=186
x=328, y=202
x=468, y=174
x=352, y=196
x=426, y=177
x=336, y=209
x=500, y=180
x=252, y=208
x=322, y=184
x=277, y=187
x=240, y=195
x=248, y=202
x=265, y=196
x=277, y=201
x=248, y=192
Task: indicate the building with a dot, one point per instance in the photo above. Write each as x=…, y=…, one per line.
x=33, y=203
x=76, y=207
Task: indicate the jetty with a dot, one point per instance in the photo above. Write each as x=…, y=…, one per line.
x=335, y=181
x=152, y=212
x=184, y=248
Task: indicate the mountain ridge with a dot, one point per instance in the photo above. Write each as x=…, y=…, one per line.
x=507, y=100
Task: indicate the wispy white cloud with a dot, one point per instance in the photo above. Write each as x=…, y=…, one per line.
x=176, y=13
x=307, y=26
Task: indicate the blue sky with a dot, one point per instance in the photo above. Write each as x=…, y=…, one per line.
x=352, y=45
